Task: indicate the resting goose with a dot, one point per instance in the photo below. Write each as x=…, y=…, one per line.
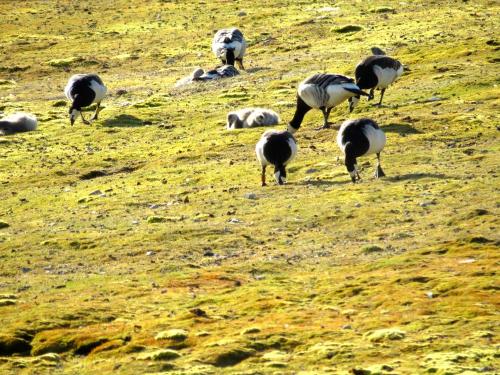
x=250, y=117
x=17, y=123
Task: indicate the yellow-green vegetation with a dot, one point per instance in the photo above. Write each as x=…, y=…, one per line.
x=144, y=243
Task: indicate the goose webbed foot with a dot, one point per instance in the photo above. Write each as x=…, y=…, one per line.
x=325, y=126
x=379, y=172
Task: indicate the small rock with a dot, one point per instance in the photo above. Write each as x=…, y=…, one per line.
x=121, y=92
x=426, y=203
x=203, y=334
x=234, y=220
x=51, y=357
x=311, y=170
x=97, y=192
x=251, y=196
x=357, y=205
x=346, y=326
x=150, y=253
x=242, y=14
x=466, y=261
x=429, y=294
x=208, y=253
x=3, y=224
x=198, y=312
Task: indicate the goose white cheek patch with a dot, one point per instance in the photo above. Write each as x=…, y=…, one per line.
x=74, y=114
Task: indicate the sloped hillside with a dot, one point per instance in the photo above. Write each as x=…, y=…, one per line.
x=144, y=243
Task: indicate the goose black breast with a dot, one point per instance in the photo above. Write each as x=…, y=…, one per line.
x=355, y=134
x=277, y=149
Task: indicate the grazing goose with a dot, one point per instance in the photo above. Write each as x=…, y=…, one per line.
x=250, y=117
x=377, y=72
x=358, y=138
x=276, y=148
x=17, y=123
x=83, y=90
x=224, y=71
x=324, y=91
x=229, y=45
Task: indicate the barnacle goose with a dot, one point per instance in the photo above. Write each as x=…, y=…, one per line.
x=324, y=91
x=83, y=90
x=276, y=148
x=377, y=72
x=250, y=117
x=17, y=123
x=224, y=71
x=358, y=138
x=229, y=45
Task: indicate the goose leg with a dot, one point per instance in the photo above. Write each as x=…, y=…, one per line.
x=326, y=114
x=379, y=172
x=83, y=119
x=240, y=64
x=263, y=176
x=381, y=97
x=372, y=94
x=357, y=171
x=97, y=110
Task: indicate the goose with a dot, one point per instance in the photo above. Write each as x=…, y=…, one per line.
x=377, y=72
x=83, y=90
x=224, y=71
x=276, y=148
x=324, y=91
x=17, y=123
x=229, y=45
x=250, y=117
x=358, y=138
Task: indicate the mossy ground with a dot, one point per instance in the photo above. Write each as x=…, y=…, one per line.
x=285, y=283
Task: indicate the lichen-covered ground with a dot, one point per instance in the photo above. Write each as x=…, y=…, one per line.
x=145, y=244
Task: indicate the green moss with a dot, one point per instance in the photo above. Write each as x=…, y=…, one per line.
x=368, y=249
x=64, y=63
x=172, y=334
x=160, y=355
x=250, y=330
x=290, y=262
x=386, y=334
x=227, y=356
x=347, y=29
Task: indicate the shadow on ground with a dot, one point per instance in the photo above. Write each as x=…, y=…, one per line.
x=400, y=129
x=123, y=121
x=415, y=176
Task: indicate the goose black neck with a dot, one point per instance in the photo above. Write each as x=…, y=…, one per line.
x=300, y=112
x=230, y=56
